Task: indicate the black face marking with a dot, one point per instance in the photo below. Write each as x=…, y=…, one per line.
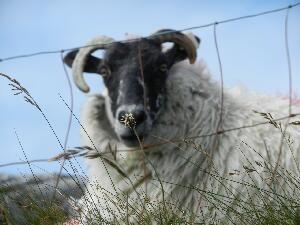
x=138, y=75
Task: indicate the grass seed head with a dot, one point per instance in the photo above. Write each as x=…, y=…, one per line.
x=128, y=120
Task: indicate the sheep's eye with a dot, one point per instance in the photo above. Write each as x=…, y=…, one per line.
x=104, y=71
x=163, y=67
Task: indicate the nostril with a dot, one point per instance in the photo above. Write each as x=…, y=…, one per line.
x=139, y=116
x=121, y=115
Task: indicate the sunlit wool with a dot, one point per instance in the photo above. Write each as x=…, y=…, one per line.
x=188, y=160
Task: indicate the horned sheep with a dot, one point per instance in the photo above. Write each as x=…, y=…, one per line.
x=171, y=136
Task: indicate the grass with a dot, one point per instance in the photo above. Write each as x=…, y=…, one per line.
x=271, y=209
x=34, y=202
x=24, y=207
x=263, y=205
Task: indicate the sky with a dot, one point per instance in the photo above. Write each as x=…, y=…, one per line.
x=252, y=52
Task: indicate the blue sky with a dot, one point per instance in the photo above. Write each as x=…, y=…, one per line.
x=252, y=53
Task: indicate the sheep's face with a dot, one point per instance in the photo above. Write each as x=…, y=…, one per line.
x=135, y=75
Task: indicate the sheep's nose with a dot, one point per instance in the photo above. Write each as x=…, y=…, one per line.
x=134, y=117
x=139, y=116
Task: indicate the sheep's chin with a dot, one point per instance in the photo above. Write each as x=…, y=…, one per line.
x=131, y=141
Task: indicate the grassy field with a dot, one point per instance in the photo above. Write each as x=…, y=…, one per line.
x=30, y=201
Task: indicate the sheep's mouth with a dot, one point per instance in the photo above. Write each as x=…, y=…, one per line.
x=132, y=136
x=131, y=140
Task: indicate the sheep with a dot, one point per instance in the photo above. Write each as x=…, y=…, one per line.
x=169, y=134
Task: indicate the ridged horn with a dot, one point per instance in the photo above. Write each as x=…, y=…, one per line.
x=188, y=42
x=81, y=57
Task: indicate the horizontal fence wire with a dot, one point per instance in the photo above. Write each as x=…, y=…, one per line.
x=157, y=34
x=219, y=130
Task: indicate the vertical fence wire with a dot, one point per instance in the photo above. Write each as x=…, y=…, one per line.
x=69, y=123
x=288, y=58
x=145, y=104
x=286, y=125
x=219, y=127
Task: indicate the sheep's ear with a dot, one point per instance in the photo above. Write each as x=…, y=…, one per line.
x=91, y=64
x=177, y=53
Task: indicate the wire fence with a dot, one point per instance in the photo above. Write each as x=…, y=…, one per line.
x=161, y=33
x=219, y=130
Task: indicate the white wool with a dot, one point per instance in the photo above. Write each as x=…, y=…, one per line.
x=192, y=109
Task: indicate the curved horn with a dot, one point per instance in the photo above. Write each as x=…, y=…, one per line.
x=81, y=58
x=189, y=42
